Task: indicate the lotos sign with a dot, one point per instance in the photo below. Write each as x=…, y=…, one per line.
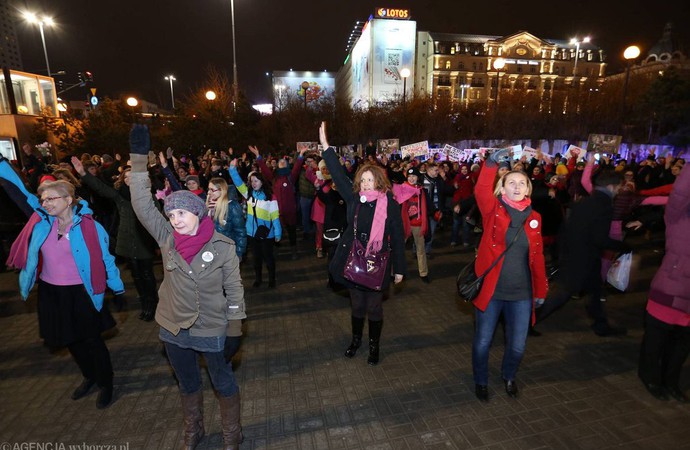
x=392, y=13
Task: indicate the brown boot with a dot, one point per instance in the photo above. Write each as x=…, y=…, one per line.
x=230, y=421
x=193, y=412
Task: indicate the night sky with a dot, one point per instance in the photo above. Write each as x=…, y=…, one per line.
x=130, y=45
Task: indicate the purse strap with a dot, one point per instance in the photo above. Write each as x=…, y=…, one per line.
x=256, y=222
x=506, y=250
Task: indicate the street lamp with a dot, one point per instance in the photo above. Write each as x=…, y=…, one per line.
x=171, y=78
x=133, y=102
x=404, y=74
x=234, y=54
x=499, y=63
x=210, y=95
x=34, y=19
x=630, y=54
x=576, y=42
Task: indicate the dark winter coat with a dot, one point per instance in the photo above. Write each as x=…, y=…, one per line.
x=393, y=230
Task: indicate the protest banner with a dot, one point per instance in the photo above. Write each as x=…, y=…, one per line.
x=452, y=153
x=415, y=150
x=604, y=143
x=308, y=147
x=529, y=152
x=572, y=150
x=387, y=146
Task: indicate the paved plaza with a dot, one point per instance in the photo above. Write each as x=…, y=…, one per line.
x=578, y=391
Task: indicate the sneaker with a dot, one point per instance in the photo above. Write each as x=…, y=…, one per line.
x=319, y=253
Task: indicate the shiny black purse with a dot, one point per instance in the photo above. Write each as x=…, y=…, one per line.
x=468, y=283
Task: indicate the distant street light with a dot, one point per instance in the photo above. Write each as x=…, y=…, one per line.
x=576, y=42
x=463, y=87
x=133, y=102
x=34, y=19
x=210, y=95
x=499, y=63
x=630, y=54
x=171, y=78
x=235, y=88
x=404, y=74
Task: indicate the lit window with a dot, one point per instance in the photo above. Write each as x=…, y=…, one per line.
x=447, y=64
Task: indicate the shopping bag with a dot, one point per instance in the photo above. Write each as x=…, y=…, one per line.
x=619, y=273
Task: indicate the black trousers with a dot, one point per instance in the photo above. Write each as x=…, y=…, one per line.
x=144, y=279
x=93, y=358
x=663, y=352
x=263, y=252
x=560, y=292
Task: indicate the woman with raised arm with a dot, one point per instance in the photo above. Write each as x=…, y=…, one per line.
x=67, y=250
x=201, y=297
x=226, y=213
x=511, y=250
x=133, y=242
x=375, y=215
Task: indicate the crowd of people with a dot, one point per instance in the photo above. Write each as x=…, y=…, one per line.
x=542, y=229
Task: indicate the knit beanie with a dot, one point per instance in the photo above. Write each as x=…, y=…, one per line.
x=185, y=200
x=504, y=164
x=561, y=169
x=192, y=178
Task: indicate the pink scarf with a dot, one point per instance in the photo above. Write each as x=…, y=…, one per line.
x=520, y=206
x=403, y=192
x=20, y=249
x=188, y=246
x=379, y=223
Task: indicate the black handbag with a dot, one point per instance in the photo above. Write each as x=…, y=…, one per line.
x=262, y=231
x=467, y=281
x=365, y=270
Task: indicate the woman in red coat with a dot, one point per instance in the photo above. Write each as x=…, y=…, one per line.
x=516, y=282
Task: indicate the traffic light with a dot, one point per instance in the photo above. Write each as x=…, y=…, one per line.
x=85, y=77
x=88, y=76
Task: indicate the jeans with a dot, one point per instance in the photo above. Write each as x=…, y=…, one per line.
x=459, y=221
x=185, y=363
x=517, y=316
x=305, y=207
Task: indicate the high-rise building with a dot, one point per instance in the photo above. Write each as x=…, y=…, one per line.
x=10, y=56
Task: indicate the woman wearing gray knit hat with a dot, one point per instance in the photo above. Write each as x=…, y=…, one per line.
x=201, y=296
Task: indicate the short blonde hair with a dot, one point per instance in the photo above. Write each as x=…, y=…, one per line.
x=502, y=181
x=63, y=188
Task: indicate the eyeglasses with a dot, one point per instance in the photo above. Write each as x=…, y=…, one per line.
x=213, y=190
x=51, y=199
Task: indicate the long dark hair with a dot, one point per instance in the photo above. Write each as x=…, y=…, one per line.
x=265, y=187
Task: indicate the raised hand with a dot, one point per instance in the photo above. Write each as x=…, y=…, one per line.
x=169, y=153
x=78, y=166
x=118, y=157
x=163, y=160
x=323, y=139
x=233, y=163
x=254, y=149
x=139, y=139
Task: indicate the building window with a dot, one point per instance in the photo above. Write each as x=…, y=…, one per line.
x=590, y=56
x=452, y=50
x=461, y=65
x=519, y=68
x=481, y=66
x=474, y=66
x=532, y=69
x=447, y=65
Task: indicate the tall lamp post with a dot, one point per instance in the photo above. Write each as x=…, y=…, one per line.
x=576, y=42
x=405, y=73
x=171, y=78
x=34, y=19
x=499, y=63
x=630, y=54
x=235, y=88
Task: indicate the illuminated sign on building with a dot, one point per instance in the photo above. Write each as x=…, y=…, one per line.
x=392, y=13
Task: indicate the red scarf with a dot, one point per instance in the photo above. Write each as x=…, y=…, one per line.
x=403, y=193
x=379, y=223
x=520, y=206
x=20, y=249
x=188, y=246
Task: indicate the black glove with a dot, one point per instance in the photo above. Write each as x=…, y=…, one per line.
x=232, y=345
x=500, y=155
x=119, y=302
x=139, y=140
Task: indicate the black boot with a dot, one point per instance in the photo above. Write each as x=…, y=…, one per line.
x=357, y=327
x=257, y=278
x=149, y=309
x=143, y=301
x=375, y=327
x=271, y=278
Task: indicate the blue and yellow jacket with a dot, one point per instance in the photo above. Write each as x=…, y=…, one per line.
x=266, y=211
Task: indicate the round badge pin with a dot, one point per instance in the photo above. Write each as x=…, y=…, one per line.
x=534, y=223
x=207, y=256
x=284, y=184
x=363, y=199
